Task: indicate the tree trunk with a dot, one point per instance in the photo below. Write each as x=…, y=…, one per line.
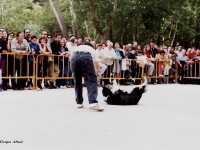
x=110, y=34
x=62, y=20
x=170, y=32
x=58, y=18
x=133, y=30
x=73, y=15
x=138, y=29
x=102, y=37
x=174, y=34
x=123, y=31
x=86, y=28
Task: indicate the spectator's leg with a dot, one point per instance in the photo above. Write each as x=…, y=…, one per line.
x=102, y=69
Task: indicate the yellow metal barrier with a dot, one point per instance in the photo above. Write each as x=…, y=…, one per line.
x=57, y=67
x=161, y=72
x=191, y=70
x=17, y=69
x=53, y=68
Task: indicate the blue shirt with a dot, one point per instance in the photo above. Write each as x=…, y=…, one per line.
x=33, y=48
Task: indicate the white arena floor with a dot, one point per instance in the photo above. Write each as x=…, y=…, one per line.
x=167, y=118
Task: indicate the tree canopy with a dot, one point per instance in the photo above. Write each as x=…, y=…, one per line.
x=168, y=22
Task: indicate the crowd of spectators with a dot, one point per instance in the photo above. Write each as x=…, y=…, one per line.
x=114, y=59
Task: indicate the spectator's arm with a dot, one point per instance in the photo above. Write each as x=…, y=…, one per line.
x=14, y=48
x=122, y=54
x=4, y=47
x=96, y=66
x=42, y=49
x=38, y=50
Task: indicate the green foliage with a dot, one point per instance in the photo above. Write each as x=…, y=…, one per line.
x=119, y=20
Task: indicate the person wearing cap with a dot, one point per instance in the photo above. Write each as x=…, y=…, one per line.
x=84, y=63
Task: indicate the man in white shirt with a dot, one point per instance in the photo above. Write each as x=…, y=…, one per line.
x=109, y=57
x=84, y=62
x=142, y=59
x=70, y=45
x=179, y=52
x=20, y=47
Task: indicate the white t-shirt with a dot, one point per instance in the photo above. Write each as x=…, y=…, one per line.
x=108, y=55
x=100, y=53
x=70, y=46
x=142, y=58
x=86, y=48
x=179, y=54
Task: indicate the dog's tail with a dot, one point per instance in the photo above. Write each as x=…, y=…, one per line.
x=143, y=86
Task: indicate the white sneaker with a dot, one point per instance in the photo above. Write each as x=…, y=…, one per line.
x=79, y=105
x=61, y=87
x=95, y=106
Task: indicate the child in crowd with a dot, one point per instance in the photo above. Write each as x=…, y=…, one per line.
x=34, y=50
x=160, y=60
x=167, y=65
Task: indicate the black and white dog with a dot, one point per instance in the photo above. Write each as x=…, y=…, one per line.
x=116, y=96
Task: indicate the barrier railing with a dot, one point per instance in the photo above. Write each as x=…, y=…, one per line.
x=53, y=67
x=20, y=68
x=57, y=68
x=190, y=70
x=122, y=69
x=160, y=72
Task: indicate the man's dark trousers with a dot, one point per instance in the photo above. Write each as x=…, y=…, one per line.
x=82, y=66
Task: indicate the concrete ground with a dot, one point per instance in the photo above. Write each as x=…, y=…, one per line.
x=167, y=118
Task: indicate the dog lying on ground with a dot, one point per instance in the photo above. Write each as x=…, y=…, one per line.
x=116, y=96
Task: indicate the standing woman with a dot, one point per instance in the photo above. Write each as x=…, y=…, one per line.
x=5, y=35
x=10, y=61
x=64, y=62
x=3, y=49
x=45, y=49
x=117, y=61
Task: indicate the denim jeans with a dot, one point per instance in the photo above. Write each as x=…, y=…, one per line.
x=82, y=66
x=63, y=66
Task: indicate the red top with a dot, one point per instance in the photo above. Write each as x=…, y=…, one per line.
x=46, y=50
x=148, y=54
x=191, y=55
